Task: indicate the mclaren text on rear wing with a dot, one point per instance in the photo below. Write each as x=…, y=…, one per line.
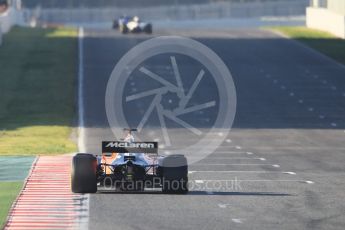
x=127, y=147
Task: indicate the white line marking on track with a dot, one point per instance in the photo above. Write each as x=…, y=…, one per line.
x=334, y=124
x=300, y=101
x=290, y=173
x=234, y=171
x=226, y=146
x=292, y=94
x=321, y=116
x=263, y=180
x=81, y=129
x=237, y=221
x=83, y=224
x=234, y=158
x=211, y=164
x=310, y=109
x=222, y=205
x=224, y=151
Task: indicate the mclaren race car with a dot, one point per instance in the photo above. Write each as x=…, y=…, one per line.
x=129, y=166
x=128, y=24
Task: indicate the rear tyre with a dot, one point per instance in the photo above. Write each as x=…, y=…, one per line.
x=174, y=170
x=83, y=176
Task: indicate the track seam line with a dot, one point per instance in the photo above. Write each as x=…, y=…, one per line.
x=81, y=121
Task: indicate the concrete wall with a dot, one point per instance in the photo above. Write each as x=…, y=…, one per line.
x=337, y=6
x=327, y=20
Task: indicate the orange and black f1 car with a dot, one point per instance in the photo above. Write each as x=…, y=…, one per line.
x=129, y=166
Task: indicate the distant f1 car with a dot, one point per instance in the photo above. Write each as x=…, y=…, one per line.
x=129, y=166
x=128, y=24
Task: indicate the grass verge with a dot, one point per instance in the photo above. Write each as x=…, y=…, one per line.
x=322, y=41
x=37, y=91
x=8, y=193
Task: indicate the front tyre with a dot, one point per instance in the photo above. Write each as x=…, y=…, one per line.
x=83, y=175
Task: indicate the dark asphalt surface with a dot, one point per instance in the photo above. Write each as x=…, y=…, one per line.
x=286, y=149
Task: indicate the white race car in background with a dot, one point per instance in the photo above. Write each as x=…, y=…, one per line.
x=128, y=24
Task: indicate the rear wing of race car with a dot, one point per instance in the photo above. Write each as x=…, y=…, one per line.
x=129, y=147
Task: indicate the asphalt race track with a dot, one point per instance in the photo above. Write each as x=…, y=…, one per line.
x=280, y=167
